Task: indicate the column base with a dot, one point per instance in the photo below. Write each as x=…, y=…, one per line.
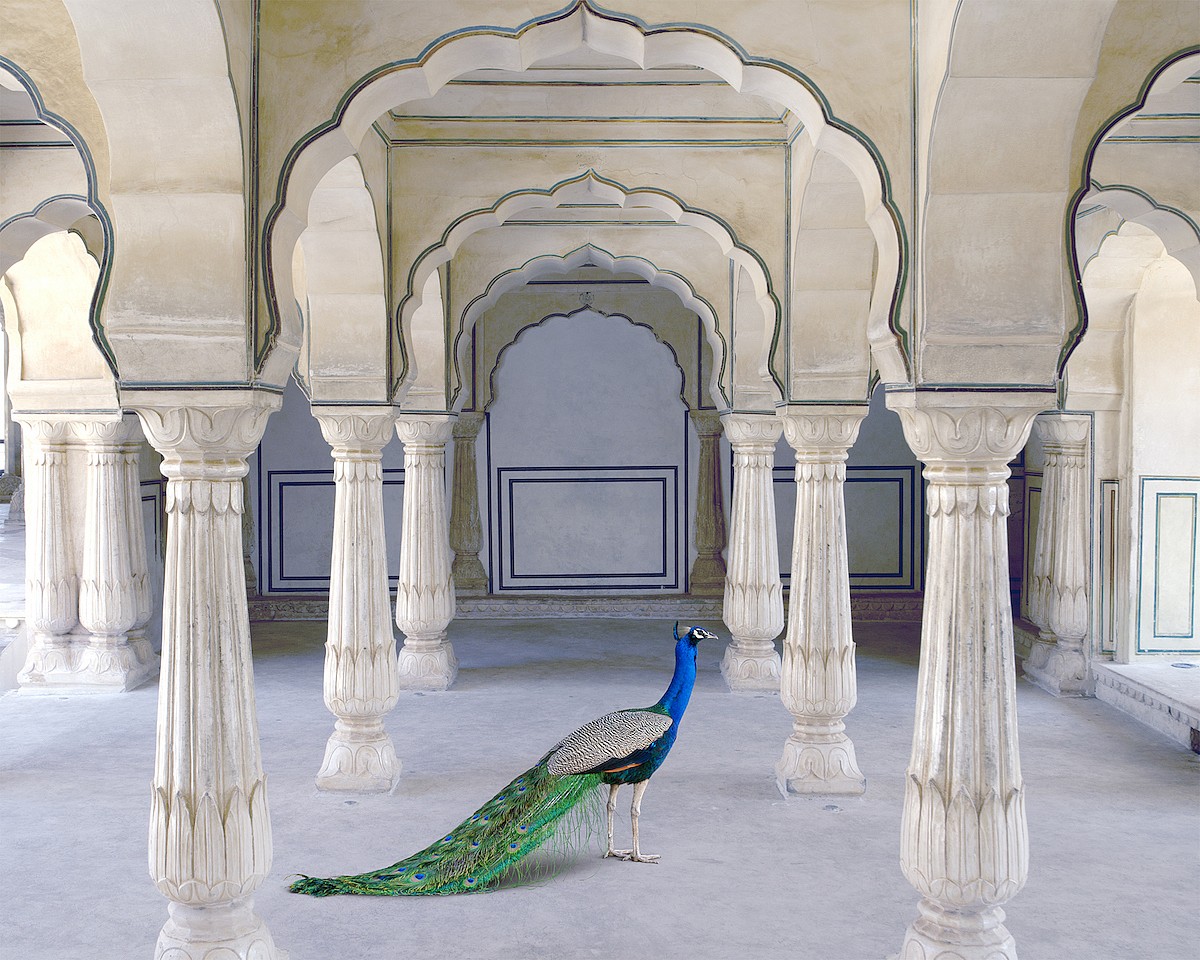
x=940, y=934
x=809, y=768
x=427, y=664
x=81, y=664
x=359, y=758
x=707, y=578
x=227, y=931
x=470, y=579
x=751, y=665
x=1057, y=670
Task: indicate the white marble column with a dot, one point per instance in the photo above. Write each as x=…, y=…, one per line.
x=964, y=841
x=361, y=682
x=707, y=576
x=466, y=530
x=114, y=596
x=819, y=685
x=753, y=603
x=51, y=582
x=1058, y=661
x=425, y=592
x=210, y=828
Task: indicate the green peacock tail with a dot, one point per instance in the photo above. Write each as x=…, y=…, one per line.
x=489, y=845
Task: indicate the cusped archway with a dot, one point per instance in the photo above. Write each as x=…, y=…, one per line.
x=581, y=27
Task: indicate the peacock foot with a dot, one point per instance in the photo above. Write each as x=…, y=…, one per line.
x=633, y=856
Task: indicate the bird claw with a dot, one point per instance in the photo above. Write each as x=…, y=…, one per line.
x=633, y=857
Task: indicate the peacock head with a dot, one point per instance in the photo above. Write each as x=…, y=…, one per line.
x=694, y=635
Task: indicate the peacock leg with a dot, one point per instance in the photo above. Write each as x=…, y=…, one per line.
x=612, y=806
x=634, y=812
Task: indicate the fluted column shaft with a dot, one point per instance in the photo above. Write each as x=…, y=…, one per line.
x=1062, y=576
x=114, y=595
x=708, y=571
x=210, y=829
x=425, y=592
x=361, y=682
x=964, y=840
x=466, y=530
x=819, y=685
x=753, y=602
x=51, y=582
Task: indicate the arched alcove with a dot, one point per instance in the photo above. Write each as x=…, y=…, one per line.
x=588, y=460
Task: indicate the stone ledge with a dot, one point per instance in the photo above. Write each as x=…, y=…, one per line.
x=874, y=607
x=1132, y=689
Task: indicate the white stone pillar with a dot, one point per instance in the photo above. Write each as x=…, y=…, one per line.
x=361, y=683
x=819, y=686
x=210, y=828
x=964, y=840
x=1058, y=661
x=753, y=604
x=114, y=596
x=51, y=583
x=466, y=530
x=707, y=576
x=425, y=592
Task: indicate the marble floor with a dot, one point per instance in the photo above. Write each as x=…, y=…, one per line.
x=1114, y=816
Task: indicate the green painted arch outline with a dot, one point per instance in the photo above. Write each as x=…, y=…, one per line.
x=883, y=215
x=92, y=201
x=517, y=201
x=1085, y=184
x=549, y=264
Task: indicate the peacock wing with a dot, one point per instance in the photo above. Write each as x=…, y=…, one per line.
x=609, y=737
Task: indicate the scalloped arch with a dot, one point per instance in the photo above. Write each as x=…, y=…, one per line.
x=588, y=253
x=577, y=26
x=52, y=213
x=1169, y=73
x=589, y=187
x=1178, y=232
x=492, y=395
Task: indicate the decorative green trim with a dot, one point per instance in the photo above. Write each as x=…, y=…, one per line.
x=1141, y=559
x=787, y=70
x=1076, y=333
x=99, y=337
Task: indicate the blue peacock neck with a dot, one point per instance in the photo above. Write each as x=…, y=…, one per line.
x=675, y=700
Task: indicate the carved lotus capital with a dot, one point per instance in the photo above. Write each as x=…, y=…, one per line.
x=706, y=422
x=825, y=433
x=424, y=430
x=204, y=434
x=750, y=431
x=468, y=425
x=44, y=431
x=1064, y=432
x=359, y=430
x=961, y=429
x=109, y=432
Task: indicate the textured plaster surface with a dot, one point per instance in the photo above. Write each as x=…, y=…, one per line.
x=1112, y=811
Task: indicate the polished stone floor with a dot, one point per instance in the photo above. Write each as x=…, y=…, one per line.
x=1114, y=816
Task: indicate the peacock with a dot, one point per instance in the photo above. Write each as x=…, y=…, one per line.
x=555, y=798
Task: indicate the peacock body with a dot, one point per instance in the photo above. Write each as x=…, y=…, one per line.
x=557, y=799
